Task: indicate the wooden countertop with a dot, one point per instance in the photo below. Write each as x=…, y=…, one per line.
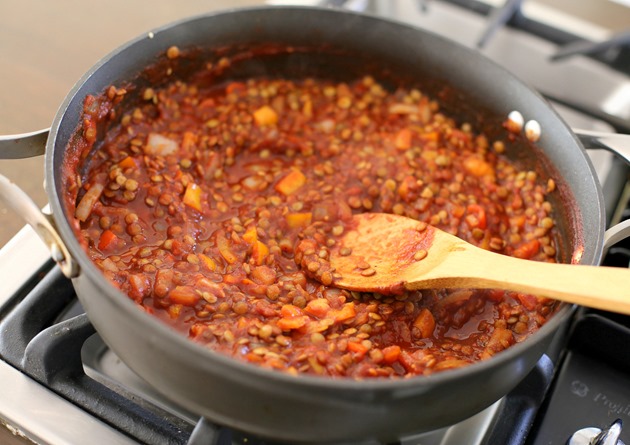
x=45, y=47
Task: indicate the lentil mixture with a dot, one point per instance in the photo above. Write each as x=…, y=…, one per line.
x=195, y=203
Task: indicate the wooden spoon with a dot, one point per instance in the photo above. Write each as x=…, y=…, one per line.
x=390, y=254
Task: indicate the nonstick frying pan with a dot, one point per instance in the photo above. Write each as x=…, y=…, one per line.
x=345, y=45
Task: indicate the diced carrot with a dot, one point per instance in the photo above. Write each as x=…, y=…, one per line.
x=391, y=354
x=425, y=323
x=189, y=141
x=208, y=262
x=224, y=249
x=518, y=221
x=318, y=307
x=128, y=162
x=528, y=249
x=295, y=220
x=265, y=115
x=287, y=324
x=403, y=139
x=433, y=136
x=264, y=275
x=477, y=166
x=289, y=310
x=358, y=348
x=107, y=240
x=476, y=216
x=184, y=295
x=251, y=235
x=496, y=295
x=458, y=211
x=260, y=251
x=529, y=301
x=346, y=312
x=406, y=186
x=253, y=358
x=292, y=317
x=291, y=182
x=192, y=196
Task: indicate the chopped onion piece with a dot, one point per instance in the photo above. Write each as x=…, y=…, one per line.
x=327, y=125
x=87, y=202
x=160, y=145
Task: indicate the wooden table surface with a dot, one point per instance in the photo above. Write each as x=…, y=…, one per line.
x=45, y=47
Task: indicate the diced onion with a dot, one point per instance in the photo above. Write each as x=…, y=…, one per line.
x=326, y=125
x=87, y=202
x=160, y=145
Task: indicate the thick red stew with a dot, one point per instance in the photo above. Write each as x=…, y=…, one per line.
x=196, y=200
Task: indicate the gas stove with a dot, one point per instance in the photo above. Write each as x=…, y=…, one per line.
x=60, y=383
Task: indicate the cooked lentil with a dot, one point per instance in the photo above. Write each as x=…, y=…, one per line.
x=197, y=201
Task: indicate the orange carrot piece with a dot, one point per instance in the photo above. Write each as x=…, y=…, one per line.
x=430, y=136
x=425, y=323
x=192, y=196
x=346, y=312
x=208, y=262
x=356, y=347
x=251, y=235
x=291, y=182
x=403, y=139
x=477, y=166
x=318, y=307
x=287, y=324
x=265, y=115
x=527, y=250
x=189, y=141
x=476, y=216
x=260, y=252
x=289, y=310
x=224, y=249
x=107, y=240
x=292, y=318
x=295, y=220
x=184, y=295
x=128, y=162
x=391, y=354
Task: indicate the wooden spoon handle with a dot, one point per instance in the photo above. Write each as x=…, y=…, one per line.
x=606, y=288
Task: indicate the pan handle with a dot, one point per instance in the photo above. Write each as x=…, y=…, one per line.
x=25, y=145
x=616, y=143
x=42, y=223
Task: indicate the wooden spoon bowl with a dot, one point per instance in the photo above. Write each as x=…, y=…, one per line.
x=389, y=254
